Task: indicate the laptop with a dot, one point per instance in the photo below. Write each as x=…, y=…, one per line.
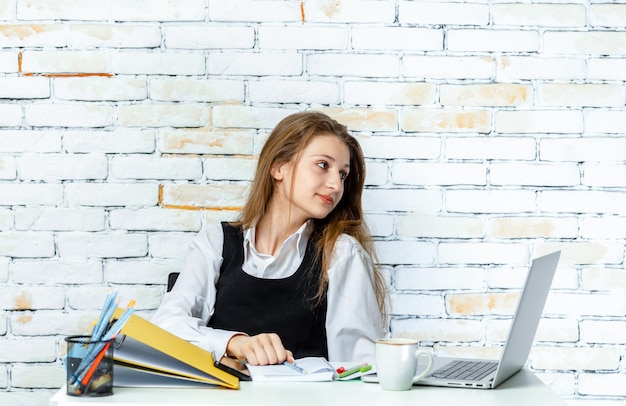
x=487, y=374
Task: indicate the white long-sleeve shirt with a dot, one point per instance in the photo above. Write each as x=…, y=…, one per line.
x=353, y=320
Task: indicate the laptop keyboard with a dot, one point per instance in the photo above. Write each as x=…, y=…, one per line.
x=465, y=370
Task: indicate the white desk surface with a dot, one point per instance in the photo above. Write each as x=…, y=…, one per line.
x=524, y=388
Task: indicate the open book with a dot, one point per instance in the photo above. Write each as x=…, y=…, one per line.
x=147, y=355
x=307, y=369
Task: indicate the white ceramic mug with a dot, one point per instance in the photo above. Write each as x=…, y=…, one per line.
x=396, y=362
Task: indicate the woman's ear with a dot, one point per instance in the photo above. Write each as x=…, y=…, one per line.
x=278, y=171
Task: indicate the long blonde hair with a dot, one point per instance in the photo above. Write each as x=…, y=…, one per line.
x=284, y=144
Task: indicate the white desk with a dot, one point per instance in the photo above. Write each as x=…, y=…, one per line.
x=522, y=389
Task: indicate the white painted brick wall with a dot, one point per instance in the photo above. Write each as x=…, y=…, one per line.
x=493, y=133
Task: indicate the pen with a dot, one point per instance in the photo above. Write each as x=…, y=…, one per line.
x=357, y=368
x=294, y=367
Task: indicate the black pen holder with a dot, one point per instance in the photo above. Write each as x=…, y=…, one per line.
x=89, y=366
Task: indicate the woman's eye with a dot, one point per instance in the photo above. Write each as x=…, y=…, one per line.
x=323, y=164
x=343, y=175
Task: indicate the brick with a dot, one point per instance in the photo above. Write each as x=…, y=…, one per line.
x=545, y=15
x=254, y=11
x=147, y=297
x=159, y=10
x=7, y=11
x=24, y=88
x=83, y=245
x=404, y=200
x=584, y=95
x=406, y=252
x=32, y=35
x=584, y=43
x=213, y=90
x=605, y=121
x=209, y=37
x=486, y=95
x=53, y=167
x=405, y=303
x=186, y=141
x=111, y=194
x=303, y=37
x=52, y=323
x=477, y=304
x=170, y=245
x=447, y=67
x=584, y=252
x=10, y=115
x=68, y=115
x=97, y=89
x=574, y=201
x=63, y=10
x=511, y=67
x=362, y=119
x=163, y=115
x=533, y=174
x=377, y=174
x=440, y=278
x=607, y=68
x=8, y=168
x=155, y=219
x=550, y=330
x=482, y=253
x=6, y=222
x=248, y=117
x=394, y=93
x=30, y=141
x=381, y=225
x=490, y=201
x=603, y=279
x=607, y=15
x=8, y=61
x=401, y=147
x=66, y=62
x=154, y=167
x=438, y=329
x=28, y=350
x=421, y=226
x=443, y=13
x=594, y=149
x=362, y=65
x=293, y=91
x=607, y=384
x=533, y=227
x=216, y=197
x=603, y=332
x=257, y=64
x=603, y=227
x=510, y=148
x=230, y=168
x=158, y=63
x=31, y=298
x=56, y=272
x=43, y=376
x=31, y=194
x=445, y=120
x=140, y=272
x=577, y=358
x=349, y=11
x=493, y=40
x=539, y=121
x=59, y=219
x=397, y=38
x=4, y=274
x=418, y=173
x=120, y=140
x=114, y=36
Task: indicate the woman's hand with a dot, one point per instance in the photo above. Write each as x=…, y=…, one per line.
x=261, y=349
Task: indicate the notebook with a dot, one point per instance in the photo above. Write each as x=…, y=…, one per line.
x=487, y=374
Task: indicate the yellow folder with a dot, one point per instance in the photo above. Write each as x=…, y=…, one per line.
x=147, y=355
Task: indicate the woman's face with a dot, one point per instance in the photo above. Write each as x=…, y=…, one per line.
x=319, y=172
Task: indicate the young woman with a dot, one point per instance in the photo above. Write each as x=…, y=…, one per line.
x=295, y=275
